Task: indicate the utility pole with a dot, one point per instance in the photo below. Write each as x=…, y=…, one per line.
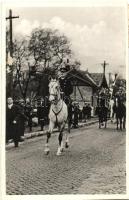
x=104, y=66
x=10, y=18
x=110, y=79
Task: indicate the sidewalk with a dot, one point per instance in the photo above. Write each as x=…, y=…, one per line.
x=41, y=133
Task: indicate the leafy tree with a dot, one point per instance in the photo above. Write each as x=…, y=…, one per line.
x=48, y=47
x=35, y=58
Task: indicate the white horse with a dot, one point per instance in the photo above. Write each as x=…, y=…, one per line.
x=58, y=115
x=111, y=104
x=112, y=112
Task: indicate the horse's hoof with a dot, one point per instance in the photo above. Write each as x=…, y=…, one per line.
x=66, y=145
x=62, y=150
x=58, y=153
x=46, y=152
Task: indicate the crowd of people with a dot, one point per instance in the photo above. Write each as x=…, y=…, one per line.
x=20, y=112
x=25, y=113
x=21, y=115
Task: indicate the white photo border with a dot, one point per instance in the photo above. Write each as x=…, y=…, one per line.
x=53, y=3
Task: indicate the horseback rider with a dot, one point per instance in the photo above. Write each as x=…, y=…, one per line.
x=102, y=108
x=66, y=85
x=65, y=82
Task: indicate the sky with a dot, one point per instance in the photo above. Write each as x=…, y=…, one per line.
x=96, y=33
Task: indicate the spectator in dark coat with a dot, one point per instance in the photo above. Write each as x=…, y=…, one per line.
x=47, y=108
x=12, y=122
x=76, y=113
x=22, y=119
x=28, y=113
x=89, y=111
x=80, y=114
x=85, y=111
x=41, y=114
x=70, y=111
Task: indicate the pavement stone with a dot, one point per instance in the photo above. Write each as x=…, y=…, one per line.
x=94, y=164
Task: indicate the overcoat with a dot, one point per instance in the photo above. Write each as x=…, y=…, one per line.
x=12, y=114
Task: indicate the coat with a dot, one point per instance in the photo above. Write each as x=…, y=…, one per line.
x=66, y=86
x=21, y=120
x=12, y=115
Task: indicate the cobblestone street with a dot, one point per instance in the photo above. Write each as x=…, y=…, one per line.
x=94, y=164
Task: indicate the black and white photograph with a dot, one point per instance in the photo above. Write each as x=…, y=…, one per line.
x=66, y=100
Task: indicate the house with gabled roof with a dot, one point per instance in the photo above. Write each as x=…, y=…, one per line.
x=84, y=86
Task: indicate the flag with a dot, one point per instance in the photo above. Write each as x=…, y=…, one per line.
x=111, y=78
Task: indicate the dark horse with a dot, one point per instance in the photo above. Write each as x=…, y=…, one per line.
x=102, y=112
x=120, y=113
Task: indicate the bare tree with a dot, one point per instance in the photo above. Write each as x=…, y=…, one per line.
x=23, y=70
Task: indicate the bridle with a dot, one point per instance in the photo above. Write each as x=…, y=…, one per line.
x=56, y=114
x=55, y=95
x=56, y=102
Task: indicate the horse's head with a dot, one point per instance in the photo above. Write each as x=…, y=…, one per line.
x=54, y=90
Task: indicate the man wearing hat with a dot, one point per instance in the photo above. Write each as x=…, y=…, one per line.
x=66, y=86
x=13, y=119
x=22, y=119
x=65, y=83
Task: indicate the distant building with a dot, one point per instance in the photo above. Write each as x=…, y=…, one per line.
x=85, y=88
x=97, y=77
x=101, y=82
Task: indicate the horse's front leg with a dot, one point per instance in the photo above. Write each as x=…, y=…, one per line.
x=60, y=138
x=67, y=139
x=51, y=127
x=121, y=124
x=69, y=125
x=124, y=122
x=105, y=123
x=99, y=122
x=111, y=116
x=117, y=122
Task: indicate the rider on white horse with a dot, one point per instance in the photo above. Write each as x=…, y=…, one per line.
x=66, y=88
x=65, y=82
x=58, y=115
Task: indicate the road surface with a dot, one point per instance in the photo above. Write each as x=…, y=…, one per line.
x=94, y=164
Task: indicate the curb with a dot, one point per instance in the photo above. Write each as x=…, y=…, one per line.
x=41, y=133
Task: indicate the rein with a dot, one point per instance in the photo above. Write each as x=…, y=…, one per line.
x=56, y=114
x=56, y=101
